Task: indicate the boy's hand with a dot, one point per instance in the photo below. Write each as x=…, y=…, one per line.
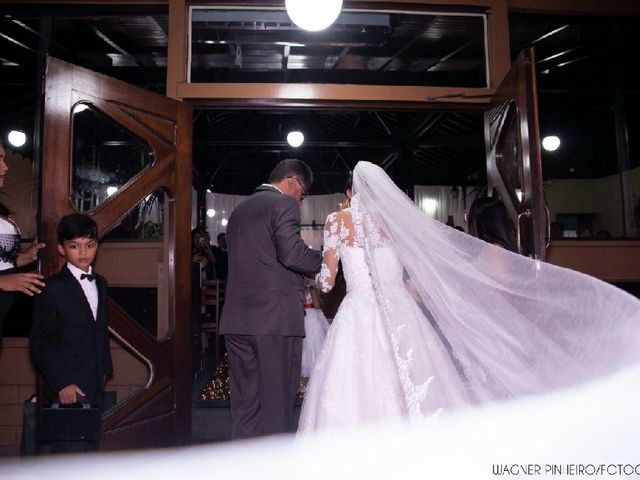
x=68, y=394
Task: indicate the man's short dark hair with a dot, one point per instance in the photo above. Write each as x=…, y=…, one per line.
x=76, y=225
x=292, y=167
x=221, y=235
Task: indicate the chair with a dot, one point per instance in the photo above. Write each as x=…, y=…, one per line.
x=211, y=300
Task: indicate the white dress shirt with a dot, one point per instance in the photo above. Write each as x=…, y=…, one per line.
x=89, y=288
x=272, y=186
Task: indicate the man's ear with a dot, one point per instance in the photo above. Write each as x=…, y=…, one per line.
x=61, y=250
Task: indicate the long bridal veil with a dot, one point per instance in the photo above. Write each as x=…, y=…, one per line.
x=511, y=326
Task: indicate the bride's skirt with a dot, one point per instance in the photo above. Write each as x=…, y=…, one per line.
x=356, y=378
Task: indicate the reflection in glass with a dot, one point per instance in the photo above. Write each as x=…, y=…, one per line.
x=144, y=221
x=105, y=157
x=508, y=154
x=133, y=257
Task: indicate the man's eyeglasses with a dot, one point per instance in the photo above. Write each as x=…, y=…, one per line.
x=304, y=191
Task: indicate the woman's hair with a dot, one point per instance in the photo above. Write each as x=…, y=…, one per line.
x=348, y=184
x=489, y=221
x=4, y=210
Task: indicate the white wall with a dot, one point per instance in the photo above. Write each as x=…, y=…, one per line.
x=599, y=196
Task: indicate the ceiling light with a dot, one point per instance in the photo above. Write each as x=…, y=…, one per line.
x=17, y=138
x=224, y=222
x=550, y=143
x=313, y=15
x=111, y=191
x=295, y=138
x=211, y=213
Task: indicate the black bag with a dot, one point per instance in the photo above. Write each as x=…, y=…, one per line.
x=64, y=423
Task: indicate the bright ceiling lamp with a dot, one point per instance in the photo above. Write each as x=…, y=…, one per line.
x=313, y=15
x=17, y=138
x=295, y=138
x=550, y=143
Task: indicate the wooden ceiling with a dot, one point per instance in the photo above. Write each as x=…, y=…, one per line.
x=583, y=67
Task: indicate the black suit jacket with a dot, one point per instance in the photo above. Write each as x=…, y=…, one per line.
x=266, y=259
x=222, y=262
x=67, y=345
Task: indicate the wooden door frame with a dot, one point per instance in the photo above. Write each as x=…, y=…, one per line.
x=171, y=170
x=529, y=213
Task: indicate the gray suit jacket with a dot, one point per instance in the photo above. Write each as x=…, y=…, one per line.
x=266, y=259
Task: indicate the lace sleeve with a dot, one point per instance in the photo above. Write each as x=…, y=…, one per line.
x=330, y=256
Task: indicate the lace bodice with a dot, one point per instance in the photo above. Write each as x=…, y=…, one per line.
x=341, y=243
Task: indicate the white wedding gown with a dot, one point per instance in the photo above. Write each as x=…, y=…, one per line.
x=435, y=319
x=356, y=378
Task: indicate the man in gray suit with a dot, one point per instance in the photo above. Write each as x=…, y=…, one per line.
x=263, y=317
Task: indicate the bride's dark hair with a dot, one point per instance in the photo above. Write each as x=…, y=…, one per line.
x=348, y=184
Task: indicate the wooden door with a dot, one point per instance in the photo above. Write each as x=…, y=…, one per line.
x=514, y=169
x=137, y=144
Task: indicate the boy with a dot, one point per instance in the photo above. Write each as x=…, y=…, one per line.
x=69, y=336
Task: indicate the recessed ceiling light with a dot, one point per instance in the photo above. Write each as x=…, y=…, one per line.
x=551, y=143
x=313, y=15
x=17, y=138
x=295, y=138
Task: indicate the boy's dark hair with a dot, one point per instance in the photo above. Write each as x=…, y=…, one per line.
x=76, y=225
x=292, y=167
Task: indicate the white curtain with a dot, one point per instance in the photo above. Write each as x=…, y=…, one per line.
x=441, y=202
x=436, y=201
x=317, y=207
x=221, y=205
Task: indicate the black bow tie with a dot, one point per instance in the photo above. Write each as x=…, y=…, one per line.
x=88, y=276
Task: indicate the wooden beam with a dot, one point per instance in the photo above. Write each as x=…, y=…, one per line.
x=576, y=7
x=229, y=93
x=499, y=56
x=177, y=51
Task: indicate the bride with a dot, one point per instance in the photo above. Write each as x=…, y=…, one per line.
x=435, y=319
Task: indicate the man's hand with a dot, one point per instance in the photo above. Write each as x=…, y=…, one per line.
x=27, y=283
x=69, y=394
